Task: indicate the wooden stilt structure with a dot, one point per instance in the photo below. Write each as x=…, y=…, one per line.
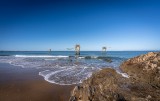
x=77, y=49
x=104, y=50
x=50, y=50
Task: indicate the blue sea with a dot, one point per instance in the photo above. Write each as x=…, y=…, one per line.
x=63, y=67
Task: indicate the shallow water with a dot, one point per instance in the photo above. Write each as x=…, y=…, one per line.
x=63, y=69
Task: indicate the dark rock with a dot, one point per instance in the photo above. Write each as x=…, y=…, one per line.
x=73, y=99
x=107, y=59
x=108, y=85
x=88, y=57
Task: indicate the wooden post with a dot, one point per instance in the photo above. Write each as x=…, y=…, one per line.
x=77, y=49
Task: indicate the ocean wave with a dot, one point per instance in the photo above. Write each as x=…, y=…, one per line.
x=45, y=56
x=62, y=70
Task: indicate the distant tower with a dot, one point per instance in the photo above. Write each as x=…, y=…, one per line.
x=104, y=49
x=50, y=50
x=77, y=49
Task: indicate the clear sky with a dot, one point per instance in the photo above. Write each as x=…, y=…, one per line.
x=60, y=24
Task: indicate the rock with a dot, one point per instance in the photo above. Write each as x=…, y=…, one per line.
x=101, y=86
x=107, y=59
x=88, y=57
x=108, y=85
x=146, y=70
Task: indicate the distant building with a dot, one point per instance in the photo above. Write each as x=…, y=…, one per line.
x=77, y=49
x=104, y=49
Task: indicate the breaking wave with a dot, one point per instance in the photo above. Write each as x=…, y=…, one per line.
x=62, y=70
x=58, y=56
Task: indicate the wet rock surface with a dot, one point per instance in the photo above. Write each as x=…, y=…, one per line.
x=107, y=85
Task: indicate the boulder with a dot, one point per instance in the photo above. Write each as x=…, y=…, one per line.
x=108, y=85
x=144, y=68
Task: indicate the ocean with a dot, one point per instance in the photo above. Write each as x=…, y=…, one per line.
x=63, y=67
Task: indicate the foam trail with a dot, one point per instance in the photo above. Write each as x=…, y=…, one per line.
x=45, y=56
x=58, y=69
x=72, y=74
x=47, y=76
x=123, y=74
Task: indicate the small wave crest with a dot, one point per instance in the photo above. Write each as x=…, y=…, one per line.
x=42, y=56
x=68, y=76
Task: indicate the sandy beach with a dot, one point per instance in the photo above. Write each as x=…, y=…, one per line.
x=19, y=84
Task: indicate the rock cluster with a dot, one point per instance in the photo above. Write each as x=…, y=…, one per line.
x=144, y=68
x=108, y=85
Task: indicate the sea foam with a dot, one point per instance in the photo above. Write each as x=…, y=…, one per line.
x=45, y=56
x=68, y=76
x=62, y=70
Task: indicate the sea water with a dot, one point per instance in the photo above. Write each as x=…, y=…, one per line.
x=63, y=67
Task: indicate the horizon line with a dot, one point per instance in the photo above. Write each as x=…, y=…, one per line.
x=74, y=50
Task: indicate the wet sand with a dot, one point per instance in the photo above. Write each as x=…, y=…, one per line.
x=19, y=84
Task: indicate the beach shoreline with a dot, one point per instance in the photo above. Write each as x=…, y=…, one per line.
x=17, y=84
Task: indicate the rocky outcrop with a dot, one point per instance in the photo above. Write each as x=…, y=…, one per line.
x=144, y=68
x=108, y=85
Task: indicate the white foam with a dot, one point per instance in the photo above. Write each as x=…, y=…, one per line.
x=47, y=76
x=67, y=75
x=81, y=57
x=44, y=73
x=60, y=71
x=17, y=65
x=45, y=56
x=123, y=74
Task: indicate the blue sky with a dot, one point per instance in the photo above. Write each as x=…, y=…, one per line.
x=60, y=24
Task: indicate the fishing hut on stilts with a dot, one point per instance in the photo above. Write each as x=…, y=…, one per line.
x=77, y=50
x=49, y=51
x=104, y=51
